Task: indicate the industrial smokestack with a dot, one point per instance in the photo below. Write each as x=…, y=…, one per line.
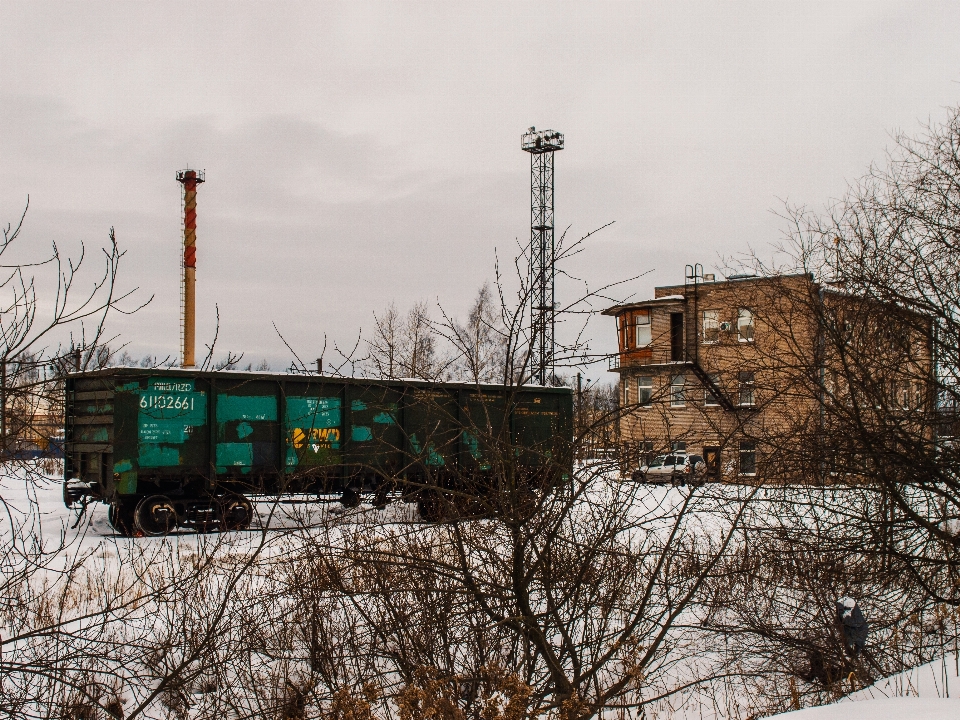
x=188, y=299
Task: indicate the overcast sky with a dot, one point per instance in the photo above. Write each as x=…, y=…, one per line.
x=362, y=153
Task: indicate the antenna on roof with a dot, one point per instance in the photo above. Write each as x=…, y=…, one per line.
x=836, y=250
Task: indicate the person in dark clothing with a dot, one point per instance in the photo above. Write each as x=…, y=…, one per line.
x=854, y=625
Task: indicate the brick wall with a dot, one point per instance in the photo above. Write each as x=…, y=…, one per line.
x=773, y=379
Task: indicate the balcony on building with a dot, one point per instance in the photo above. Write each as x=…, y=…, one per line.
x=650, y=333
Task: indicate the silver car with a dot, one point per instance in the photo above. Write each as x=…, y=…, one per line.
x=678, y=468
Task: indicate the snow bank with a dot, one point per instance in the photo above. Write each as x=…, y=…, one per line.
x=927, y=692
x=900, y=708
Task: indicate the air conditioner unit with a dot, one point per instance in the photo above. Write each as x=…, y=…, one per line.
x=726, y=326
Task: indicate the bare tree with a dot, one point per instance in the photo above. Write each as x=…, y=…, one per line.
x=883, y=388
x=405, y=346
x=34, y=328
x=419, y=358
x=586, y=596
x=385, y=346
x=864, y=458
x=583, y=590
x=597, y=414
x=893, y=242
x=479, y=344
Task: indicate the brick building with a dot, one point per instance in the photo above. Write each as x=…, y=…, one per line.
x=740, y=370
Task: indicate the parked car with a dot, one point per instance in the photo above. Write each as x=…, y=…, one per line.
x=678, y=468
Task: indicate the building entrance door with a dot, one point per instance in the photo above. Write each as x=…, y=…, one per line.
x=711, y=456
x=676, y=337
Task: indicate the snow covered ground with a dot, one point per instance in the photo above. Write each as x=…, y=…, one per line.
x=901, y=708
x=928, y=692
x=39, y=501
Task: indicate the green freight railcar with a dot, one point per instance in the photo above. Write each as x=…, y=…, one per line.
x=167, y=448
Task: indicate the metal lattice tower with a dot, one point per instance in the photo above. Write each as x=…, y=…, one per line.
x=541, y=144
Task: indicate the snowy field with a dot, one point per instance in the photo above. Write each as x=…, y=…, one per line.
x=929, y=691
x=39, y=502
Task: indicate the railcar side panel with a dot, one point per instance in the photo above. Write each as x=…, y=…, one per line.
x=133, y=433
x=313, y=432
x=432, y=431
x=247, y=422
x=375, y=440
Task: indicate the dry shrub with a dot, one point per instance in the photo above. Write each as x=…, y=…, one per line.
x=293, y=704
x=504, y=695
x=346, y=705
x=494, y=694
x=93, y=702
x=573, y=708
x=175, y=699
x=429, y=696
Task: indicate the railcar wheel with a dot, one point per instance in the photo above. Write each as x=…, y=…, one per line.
x=236, y=512
x=120, y=516
x=381, y=498
x=155, y=515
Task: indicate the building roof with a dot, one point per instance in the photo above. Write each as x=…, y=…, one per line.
x=675, y=298
x=666, y=300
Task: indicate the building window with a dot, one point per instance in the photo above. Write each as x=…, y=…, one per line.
x=711, y=326
x=904, y=394
x=829, y=386
x=645, y=390
x=708, y=397
x=622, y=332
x=747, y=388
x=677, y=397
x=642, y=320
x=914, y=397
x=678, y=446
x=748, y=458
x=745, y=325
